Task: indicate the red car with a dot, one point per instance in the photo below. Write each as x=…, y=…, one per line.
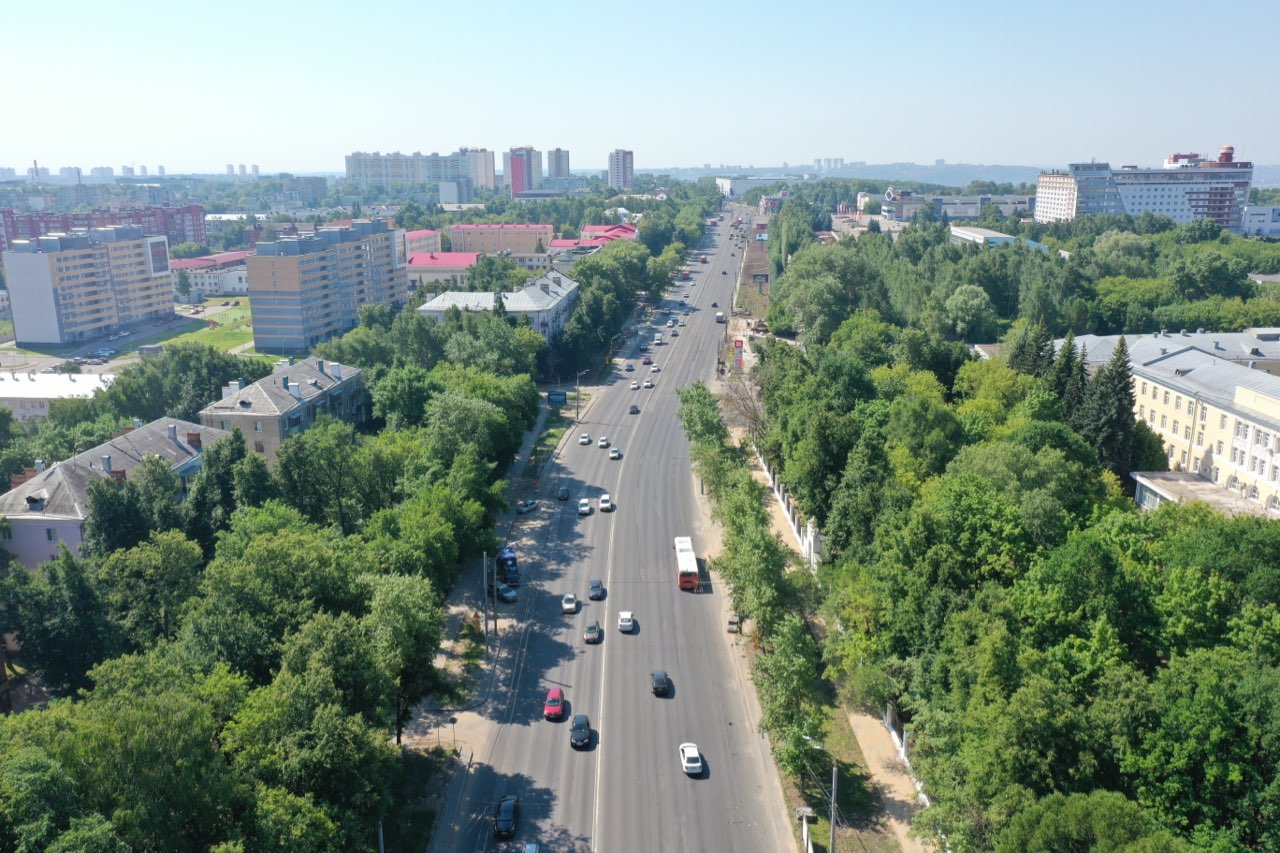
x=553, y=707
x=646, y=360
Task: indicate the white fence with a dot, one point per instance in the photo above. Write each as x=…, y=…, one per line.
x=807, y=535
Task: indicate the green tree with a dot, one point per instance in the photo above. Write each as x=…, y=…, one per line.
x=188, y=249
x=144, y=588
x=1100, y=820
x=1107, y=421
x=405, y=624
x=182, y=286
x=123, y=514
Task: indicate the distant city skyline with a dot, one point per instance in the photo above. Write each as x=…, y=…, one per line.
x=681, y=85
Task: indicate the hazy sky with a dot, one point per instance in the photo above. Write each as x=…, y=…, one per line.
x=297, y=86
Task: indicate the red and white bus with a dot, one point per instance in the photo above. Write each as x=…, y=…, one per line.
x=686, y=564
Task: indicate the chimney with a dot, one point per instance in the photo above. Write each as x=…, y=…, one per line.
x=118, y=476
x=137, y=423
x=284, y=380
x=546, y=288
x=16, y=480
x=320, y=366
x=106, y=463
x=193, y=439
x=337, y=370
x=39, y=469
x=173, y=432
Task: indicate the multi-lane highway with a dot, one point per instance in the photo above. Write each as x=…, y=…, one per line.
x=627, y=792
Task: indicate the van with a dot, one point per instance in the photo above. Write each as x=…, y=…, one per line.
x=657, y=339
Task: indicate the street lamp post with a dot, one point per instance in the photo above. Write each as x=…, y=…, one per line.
x=577, y=395
x=831, y=848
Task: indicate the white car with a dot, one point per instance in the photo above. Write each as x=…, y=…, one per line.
x=606, y=503
x=584, y=439
x=615, y=453
x=626, y=622
x=690, y=759
x=655, y=369
x=584, y=507
x=648, y=383
x=603, y=442
x=635, y=386
x=683, y=323
x=569, y=603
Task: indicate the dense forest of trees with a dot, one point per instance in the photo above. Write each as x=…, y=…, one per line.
x=1071, y=673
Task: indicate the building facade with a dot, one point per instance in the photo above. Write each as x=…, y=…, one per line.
x=516, y=238
x=376, y=169
x=902, y=205
x=288, y=402
x=522, y=169
x=427, y=269
x=1260, y=220
x=1187, y=188
x=621, y=169
x=67, y=288
x=47, y=506
x=422, y=240
x=221, y=274
x=307, y=289
x=28, y=395
x=180, y=223
x=558, y=163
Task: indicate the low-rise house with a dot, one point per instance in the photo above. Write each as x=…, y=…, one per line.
x=288, y=402
x=427, y=268
x=48, y=506
x=548, y=301
x=220, y=274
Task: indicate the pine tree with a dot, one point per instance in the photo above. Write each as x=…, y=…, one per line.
x=1107, y=422
x=1064, y=367
x=1041, y=352
x=1075, y=391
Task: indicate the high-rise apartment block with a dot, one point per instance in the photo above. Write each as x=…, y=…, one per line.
x=180, y=223
x=473, y=164
x=558, y=163
x=621, y=169
x=1189, y=187
x=66, y=288
x=522, y=169
x=308, y=288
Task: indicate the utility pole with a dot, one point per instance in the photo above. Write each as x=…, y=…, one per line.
x=831, y=848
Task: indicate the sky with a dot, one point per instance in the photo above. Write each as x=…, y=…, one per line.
x=295, y=87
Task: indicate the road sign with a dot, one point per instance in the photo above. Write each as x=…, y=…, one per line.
x=557, y=398
x=739, y=344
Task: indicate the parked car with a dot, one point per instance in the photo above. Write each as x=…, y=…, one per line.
x=503, y=592
x=580, y=732
x=506, y=817
x=690, y=759
x=526, y=506
x=553, y=705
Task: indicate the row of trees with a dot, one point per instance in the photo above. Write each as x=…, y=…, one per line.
x=1070, y=671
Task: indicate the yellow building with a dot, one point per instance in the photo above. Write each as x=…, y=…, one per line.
x=491, y=239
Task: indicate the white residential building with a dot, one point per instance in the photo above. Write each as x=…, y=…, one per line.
x=548, y=301
x=621, y=169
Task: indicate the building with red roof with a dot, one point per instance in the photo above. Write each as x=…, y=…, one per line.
x=622, y=231
x=428, y=268
x=219, y=274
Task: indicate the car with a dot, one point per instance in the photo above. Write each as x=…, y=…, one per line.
x=553, y=705
x=690, y=759
x=569, y=603
x=506, y=817
x=615, y=453
x=648, y=383
x=634, y=410
x=584, y=507
x=606, y=503
x=682, y=323
x=603, y=442
x=671, y=323
x=635, y=386
x=629, y=367
x=526, y=506
x=595, y=589
x=715, y=304
x=646, y=360
x=503, y=592
x=226, y=304
x=584, y=439
x=592, y=633
x=580, y=732
x=626, y=622
x=724, y=272
x=659, y=683
x=49, y=369
x=562, y=493
x=675, y=333
x=655, y=369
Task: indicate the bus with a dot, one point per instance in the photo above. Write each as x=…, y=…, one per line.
x=686, y=564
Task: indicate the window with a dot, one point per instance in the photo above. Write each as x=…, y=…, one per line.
x=257, y=426
x=1215, y=474
x=1144, y=389
x=1166, y=398
x=1200, y=439
x=1164, y=422
x=1186, y=433
x=1141, y=412
x=1222, y=421
x=1177, y=403
x=50, y=535
x=1184, y=459
x=1175, y=427
x=1219, y=448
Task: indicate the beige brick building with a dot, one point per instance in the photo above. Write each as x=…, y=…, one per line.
x=491, y=239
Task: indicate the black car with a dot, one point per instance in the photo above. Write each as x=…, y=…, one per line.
x=580, y=732
x=660, y=683
x=635, y=410
x=562, y=494
x=506, y=816
x=595, y=591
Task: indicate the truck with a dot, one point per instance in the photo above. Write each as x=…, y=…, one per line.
x=719, y=316
x=657, y=339
x=686, y=564
x=507, y=567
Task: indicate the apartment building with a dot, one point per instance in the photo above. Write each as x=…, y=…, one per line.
x=308, y=288
x=422, y=240
x=287, y=402
x=522, y=169
x=621, y=169
x=1188, y=187
x=492, y=238
x=558, y=164
x=902, y=205
x=67, y=288
x=180, y=223
x=1260, y=220
x=376, y=169
x=47, y=506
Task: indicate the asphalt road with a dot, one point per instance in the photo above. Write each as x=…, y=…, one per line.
x=627, y=791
